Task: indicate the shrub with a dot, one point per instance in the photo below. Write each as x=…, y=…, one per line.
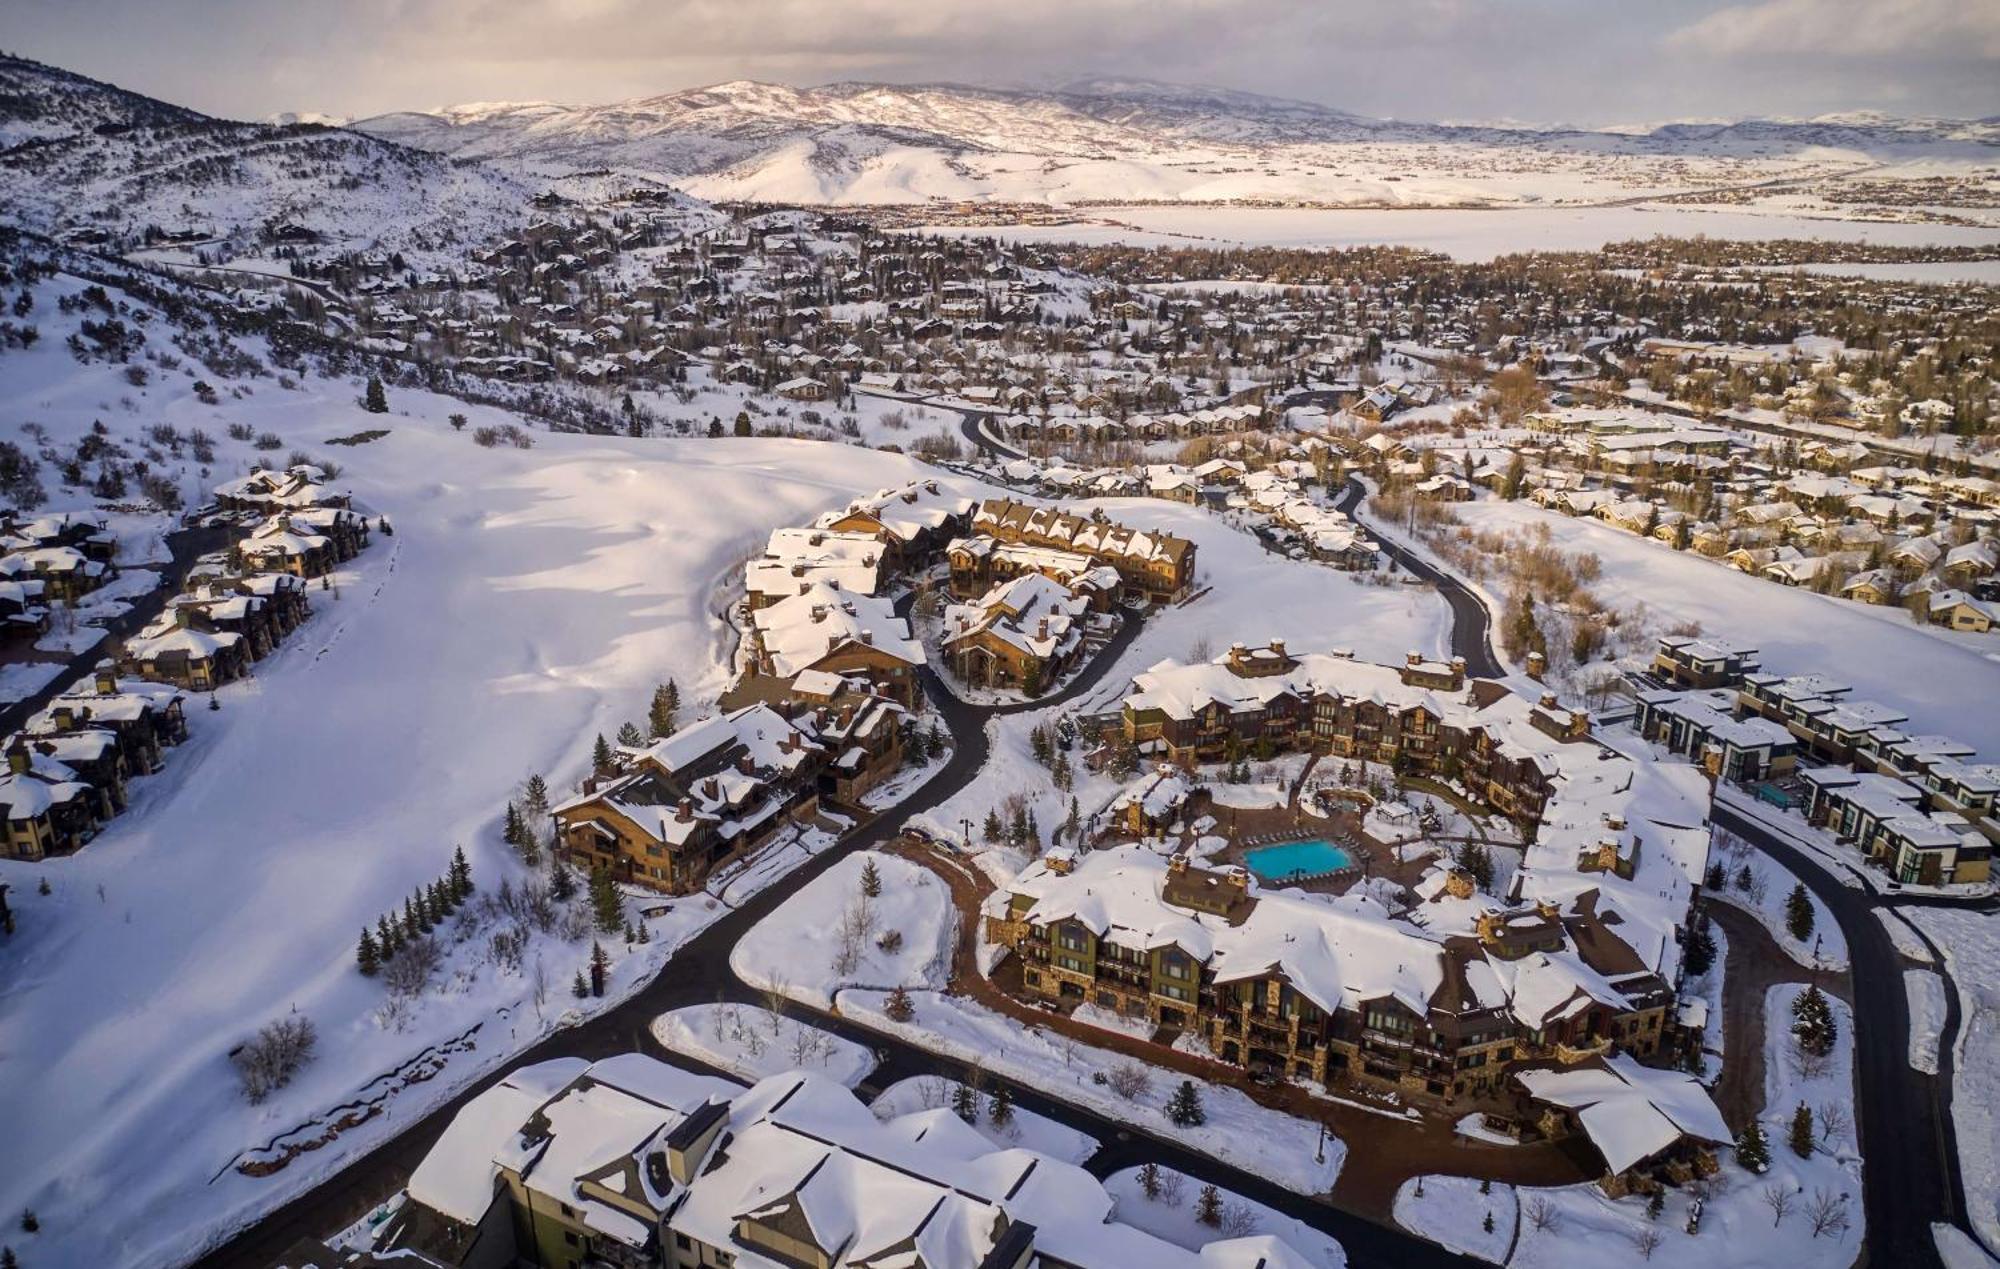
x=268, y=1060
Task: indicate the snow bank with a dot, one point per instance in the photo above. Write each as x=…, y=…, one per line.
x=753, y=1043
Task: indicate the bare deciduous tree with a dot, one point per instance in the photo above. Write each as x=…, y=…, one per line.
x=1129, y=1080
x=1542, y=1214
x=268, y=1060
x=1827, y=1212
x=1833, y=1121
x=1779, y=1198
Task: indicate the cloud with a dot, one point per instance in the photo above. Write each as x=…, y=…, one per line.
x=1849, y=29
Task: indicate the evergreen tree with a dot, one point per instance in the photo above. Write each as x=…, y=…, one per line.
x=1813, y=1025
x=580, y=989
x=663, y=716
x=411, y=926
x=605, y=907
x=600, y=755
x=1208, y=1207
x=1487, y=1224
x=367, y=956
x=562, y=883
x=461, y=874
x=1184, y=1108
x=1802, y=1131
x=898, y=1006
x=375, y=400
x=387, y=940
x=1038, y=740
x=965, y=1103
x=30, y=1223
x=1753, y=1151
x=1700, y=956
x=600, y=968
x=1149, y=1180
x=1744, y=878
x=1656, y=1204
x=420, y=903
x=871, y=879
x=8, y=1259
x=1063, y=776
x=992, y=829
x=630, y=737
x=1000, y=1106
x=1716, y=878
x=535, y=796
x=1034, y=832
x=1799, y=913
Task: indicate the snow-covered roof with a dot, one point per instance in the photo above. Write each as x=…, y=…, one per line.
x=1630, y=1112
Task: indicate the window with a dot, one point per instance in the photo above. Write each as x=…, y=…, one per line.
x=1073, y=938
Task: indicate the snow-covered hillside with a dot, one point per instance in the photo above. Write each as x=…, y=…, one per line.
x=527, y=600
x=1133, y=139
x=80, y=157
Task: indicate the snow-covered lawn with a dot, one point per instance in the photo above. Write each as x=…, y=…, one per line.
x=831, y=935
x=1765, y=897
x=22, y=679
x=753, y=1043
x=1452, y=1213
x=1795, y=631
x=1907, y=942
x=1174, y=1214
x=1970, y=941
x=528, y=600
x=1023, y=1130
x=1709, y=989
x=1238, y=1131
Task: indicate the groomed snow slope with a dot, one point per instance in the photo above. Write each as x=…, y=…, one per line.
x=527, y=601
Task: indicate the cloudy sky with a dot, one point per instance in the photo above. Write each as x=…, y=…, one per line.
x=1574, y=61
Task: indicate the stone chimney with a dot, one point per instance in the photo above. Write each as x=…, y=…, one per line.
x=18, y=759
x=868, y=637
x=1538, y=665
x=1548, y=700
x=1042, y=629
x=1413, y=658
x=685, y=811
x=1278, y=648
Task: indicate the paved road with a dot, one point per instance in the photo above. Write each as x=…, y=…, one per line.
x=184, y=546
x=1471, y=634
x=1910, y=1174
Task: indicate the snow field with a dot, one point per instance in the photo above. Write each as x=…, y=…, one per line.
x=1238, y=1131
x=1174, y=1216
x=753, y=1043
x=833, y=936
x=528, y=600
x=1024, y=1130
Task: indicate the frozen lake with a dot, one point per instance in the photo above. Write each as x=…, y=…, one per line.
x=1464, y=233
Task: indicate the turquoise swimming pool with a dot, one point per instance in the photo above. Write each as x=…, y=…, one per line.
x=1296, y=861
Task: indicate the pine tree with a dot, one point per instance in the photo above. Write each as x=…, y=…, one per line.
x=420, y=905
x=1184, y=1108
x=30, y=1223
x=387, y=939
x=663, y=716
x=1061, y=773
x=1487, y=1224
x=1000, y=1106
x=562, y=883
x=1716, y=877
x=600, y=755
x=535, y=796
x=1486, y=1185
x=1799, y=913
x=993, y=829
x=1802, y=1131
x=1700, y=955
x=1038, y=740
x=1753, y=1151
x=580, y=989
x=1744, y=878
x=8, y=1259
x=367, y=956
x=1656, y=1204
x=1813, y=1024
x=461, y=874
x=605, y=906
x=871, y=879
x=1033, y=832
x=1149, y=1180
x=412, y=927
x=375, y=400
x=965, y=1103
x=630, y=737
x=898, y=1006
x=1208, y=1207
x=600, y=968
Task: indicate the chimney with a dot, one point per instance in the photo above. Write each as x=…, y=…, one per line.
x=18, y=760
x=1414, y=658
x=1538, y=665
x=744, y=764
x=1458, y=664
x=686, y=811
x=1042, y=629
x=1278, y=648
x=1548, y=700
x=107, y=678
x=63, y=717
x=868, y=637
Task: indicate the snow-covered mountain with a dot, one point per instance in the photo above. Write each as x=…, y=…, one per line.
x=1123, y=138
x=78, y=155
